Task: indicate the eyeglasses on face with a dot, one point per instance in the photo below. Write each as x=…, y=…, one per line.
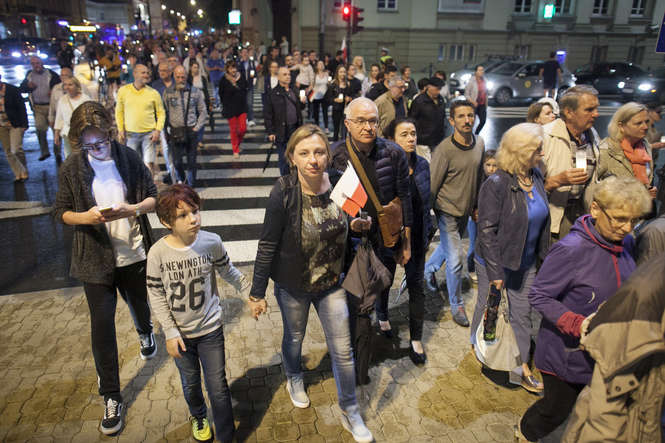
x=621, y=221
x=361, y=122
x=96, y=146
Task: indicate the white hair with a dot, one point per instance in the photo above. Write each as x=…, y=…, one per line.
x=359, y=102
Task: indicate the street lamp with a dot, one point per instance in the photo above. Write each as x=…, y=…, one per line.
x=172, y=12
x=192, y=2
x=200, y=12
x=163, y=7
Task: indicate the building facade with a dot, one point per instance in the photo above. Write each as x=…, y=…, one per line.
x=448, y=34
x=38, y=18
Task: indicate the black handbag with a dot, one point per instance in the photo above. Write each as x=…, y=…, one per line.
x=183, y=134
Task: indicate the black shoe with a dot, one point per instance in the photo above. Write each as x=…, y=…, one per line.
x=148, y=347
x=58, y=159
x=112, y=420
x=44, y=157
x=416, y=358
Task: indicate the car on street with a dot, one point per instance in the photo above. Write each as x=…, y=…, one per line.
x=19, y=50
x=458, y=79
x=609, y=78
x=520, y=80
x=645, y=89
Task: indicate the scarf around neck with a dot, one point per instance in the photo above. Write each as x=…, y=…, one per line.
x=638, y=157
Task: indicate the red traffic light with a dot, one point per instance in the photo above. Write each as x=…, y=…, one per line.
x=346, y=12
x=23, y=21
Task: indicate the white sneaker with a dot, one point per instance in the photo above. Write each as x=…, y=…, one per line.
x=296, y=390
x=251, y=123
x=353, y=422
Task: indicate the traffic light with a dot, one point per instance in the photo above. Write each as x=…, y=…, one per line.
x=346, y=12
x=23, y=21
x=548, y=11
x=357, y=18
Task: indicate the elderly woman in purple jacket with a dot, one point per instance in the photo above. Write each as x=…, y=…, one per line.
x=581, y=271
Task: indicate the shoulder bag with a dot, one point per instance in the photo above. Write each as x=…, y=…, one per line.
x=502, y=353
x=390, y=215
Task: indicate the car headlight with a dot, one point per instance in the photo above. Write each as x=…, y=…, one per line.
x=490, y=86
x=43, y=56
x=16, y=54
x=452, y=75
x=620, y=85
x=465, y=78
x=645, y=86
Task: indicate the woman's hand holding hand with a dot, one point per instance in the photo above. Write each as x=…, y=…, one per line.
x=497, y=284
x=360, y=225
x=257, y=307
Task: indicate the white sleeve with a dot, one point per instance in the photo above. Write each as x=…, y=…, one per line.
x=158, y=298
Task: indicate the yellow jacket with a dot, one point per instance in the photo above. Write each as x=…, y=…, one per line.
x=139, y=110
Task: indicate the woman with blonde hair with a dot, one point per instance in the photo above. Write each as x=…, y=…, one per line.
x=359, y=63
x=513, y=233
x=66, y=105
x=625, y=152
x=302, y=249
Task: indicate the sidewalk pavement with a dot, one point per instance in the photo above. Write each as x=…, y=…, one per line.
x=49, y=389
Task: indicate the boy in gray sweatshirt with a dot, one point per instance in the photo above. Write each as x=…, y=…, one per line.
x=183, y=294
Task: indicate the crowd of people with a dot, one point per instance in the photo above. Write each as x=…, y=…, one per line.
x=557, y=218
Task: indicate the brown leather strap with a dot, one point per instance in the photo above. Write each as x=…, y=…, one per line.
x=363, y=177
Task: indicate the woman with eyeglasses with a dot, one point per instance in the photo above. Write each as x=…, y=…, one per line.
x=104, y=192
x=580, y=272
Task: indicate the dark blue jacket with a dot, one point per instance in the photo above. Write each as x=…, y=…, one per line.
x=503, y=221
x=392, y=173
x=422, y=178
x=580, y=272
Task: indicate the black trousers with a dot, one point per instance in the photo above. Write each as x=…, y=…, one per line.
x=338, y=116
x=551, y=410
x=102, y=300
x=481, y=111
x=320, y=104
x=187, y=148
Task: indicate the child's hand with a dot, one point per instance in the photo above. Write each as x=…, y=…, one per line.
x=174, y=345
x=257, y=307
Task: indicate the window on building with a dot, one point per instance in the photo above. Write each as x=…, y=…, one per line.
x=471, y=53
x=387, y=4
x=522, y=6
x=600, y=7
x=636, y=54
x=598, y=54
x=563, y=6
x=456, y=52
x=522, y=51
x=638, y=8
x=442, y=53
x=468, y=6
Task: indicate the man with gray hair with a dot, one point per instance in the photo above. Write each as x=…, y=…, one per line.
x=570, y=157
x=386, y=167
x=186, y=114
x=38, y=83
x=391, y=104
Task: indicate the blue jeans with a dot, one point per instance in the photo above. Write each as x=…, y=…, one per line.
x=208, y=352
x=167, y=155
x=281, y=158
x=472, y=230
x=250, y=103
x=333, y=313
x=449, y=250
x=141, y=143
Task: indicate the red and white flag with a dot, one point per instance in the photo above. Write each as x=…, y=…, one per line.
x=343, y=49
x=349, y=193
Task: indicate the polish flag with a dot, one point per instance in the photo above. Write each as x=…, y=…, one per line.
x=343, y=48
x=349, y=193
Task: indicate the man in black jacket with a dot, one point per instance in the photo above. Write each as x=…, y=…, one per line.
x=379, y=88
x=247, y=70
x=282, y=115
x=429, y=112
x=13, y=123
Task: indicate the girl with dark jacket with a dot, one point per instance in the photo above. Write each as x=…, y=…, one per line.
x=233, y=94
x=403, y=133
x=513, y=232
x=302, y=249
x=581, y=272
x=339, y=96
x=105, y=191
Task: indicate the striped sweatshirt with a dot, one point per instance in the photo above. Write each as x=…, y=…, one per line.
x=182, y=286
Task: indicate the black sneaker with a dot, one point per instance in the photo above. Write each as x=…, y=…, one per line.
x=112, y=420
x=148, y=348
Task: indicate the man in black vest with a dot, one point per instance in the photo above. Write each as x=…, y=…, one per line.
x=282, y=115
